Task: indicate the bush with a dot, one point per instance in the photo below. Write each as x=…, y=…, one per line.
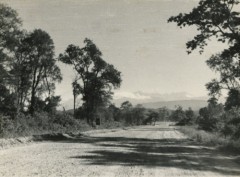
x=210, y=138
x=210, y=117
x=41, y=122
x=178, y=114
x=66, y=122
x=182, y=117
x=207, y=123
x=231, y=125
x=202, y=136
x=6, y=125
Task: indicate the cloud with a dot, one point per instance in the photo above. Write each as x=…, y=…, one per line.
x=154, y=96
x=131, y=95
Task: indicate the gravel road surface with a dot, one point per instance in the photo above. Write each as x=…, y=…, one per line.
x=158, y=150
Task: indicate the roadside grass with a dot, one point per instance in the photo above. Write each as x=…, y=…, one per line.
x=40, y=123
x=211, y=139
x=43, y=123
x=26, y=129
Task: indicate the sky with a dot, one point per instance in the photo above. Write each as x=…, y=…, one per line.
x=133, y=35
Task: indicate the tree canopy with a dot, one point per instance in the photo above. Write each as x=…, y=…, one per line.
x=218, y=20
x=27, y=65
x=10, y=27
x=43, y=70
x=213, y=19
x=9, y=36
x=96, y=77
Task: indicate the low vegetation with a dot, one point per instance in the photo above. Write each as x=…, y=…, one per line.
x=40, y=123
x=214, y=125
x=211, y=139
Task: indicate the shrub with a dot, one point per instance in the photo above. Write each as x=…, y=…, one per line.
x=182, y=117
x=178, y=114
x=65, y=122
x=231, y=123
x=187, y=118
x=210, y=117
x=41, y=122
x=207, y=123
x=6, y=125
x=202, y=136
x=210, y=138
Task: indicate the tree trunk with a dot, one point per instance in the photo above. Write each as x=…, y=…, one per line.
x=74, y=105
x=32, y=103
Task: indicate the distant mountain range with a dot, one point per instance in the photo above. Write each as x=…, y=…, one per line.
x=185, y=104
x=194, y=104
x=151, y=100
x=158, y=100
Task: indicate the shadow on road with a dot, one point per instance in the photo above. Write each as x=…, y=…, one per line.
x=177, y=153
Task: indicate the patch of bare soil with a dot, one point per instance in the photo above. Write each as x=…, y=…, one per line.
x=141, y=151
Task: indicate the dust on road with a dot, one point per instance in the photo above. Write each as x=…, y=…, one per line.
x=141, y=151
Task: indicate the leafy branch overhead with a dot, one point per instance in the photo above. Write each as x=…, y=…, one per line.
x=219, y=20
x=213, y=18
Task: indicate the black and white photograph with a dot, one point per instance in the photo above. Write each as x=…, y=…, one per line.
x=120, y=88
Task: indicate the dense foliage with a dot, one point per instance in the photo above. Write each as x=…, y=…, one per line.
x=218, y=20
x=95, y=77
x=29, y=72
x=28, y=66
x=39, y=123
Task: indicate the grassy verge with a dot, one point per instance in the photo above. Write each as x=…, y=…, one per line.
x=43, y=123
x=40, y=123
x=212, y=139
x=25, y=128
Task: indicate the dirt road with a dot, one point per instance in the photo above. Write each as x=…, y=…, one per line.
x=143, y=151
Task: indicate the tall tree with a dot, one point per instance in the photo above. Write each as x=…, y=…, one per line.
x=19, y=73
x=9, y=36
x=139, y=114
x=126, y=105
x=126, y=112
x=97, y=78
x=218, y=20
x=76, y=91
x=114, y=112
x=178, y=114
x=153, y=116
x=164, y=113
x=27, y=65
x=40, y=65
